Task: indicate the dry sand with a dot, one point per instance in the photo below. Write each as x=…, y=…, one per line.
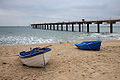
x=66, y=63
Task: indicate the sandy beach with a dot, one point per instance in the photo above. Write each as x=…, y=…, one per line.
x=66, y=63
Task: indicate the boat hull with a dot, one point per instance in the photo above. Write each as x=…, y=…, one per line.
x=89, y=45
x=38, y=60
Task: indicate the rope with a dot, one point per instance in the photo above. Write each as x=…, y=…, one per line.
x=44, y=64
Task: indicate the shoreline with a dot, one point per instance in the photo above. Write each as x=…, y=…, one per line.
x=52, y=43
x=66, y=62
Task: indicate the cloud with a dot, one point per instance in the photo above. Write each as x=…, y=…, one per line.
x=24, y=12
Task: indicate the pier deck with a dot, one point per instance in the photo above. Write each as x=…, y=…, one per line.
x=59, y=25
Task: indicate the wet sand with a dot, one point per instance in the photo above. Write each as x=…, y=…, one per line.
x=66, y=63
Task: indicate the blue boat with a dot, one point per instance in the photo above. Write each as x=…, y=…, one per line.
x=89, y=45
x=37, y=57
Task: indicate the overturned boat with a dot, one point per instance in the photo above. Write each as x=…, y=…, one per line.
x=37, y=57
x=89, y=45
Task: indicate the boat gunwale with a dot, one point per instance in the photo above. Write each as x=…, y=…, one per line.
x=88, y=44
x=29, y=56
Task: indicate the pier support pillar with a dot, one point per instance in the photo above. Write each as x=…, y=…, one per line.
x=57, y=26
x=50, y=26
x=61, y=27
x=31, y=26
x=43, y=26
x=98, y=25
x=47, y=26
x=98, y=28
x=111, y=25
x=35, y=26
x=87, y=27
x=79, y=27
x=40, y=26
x=111, y=28
x=72, y=27
x=82, y=27
x=53, y=27
x=66, y=27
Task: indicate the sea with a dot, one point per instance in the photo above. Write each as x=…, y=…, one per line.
x=22, y=35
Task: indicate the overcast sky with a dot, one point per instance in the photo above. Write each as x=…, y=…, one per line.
x=25, y=12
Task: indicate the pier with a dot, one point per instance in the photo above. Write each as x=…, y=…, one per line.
x=64, y=25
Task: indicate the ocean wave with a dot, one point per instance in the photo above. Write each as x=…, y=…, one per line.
x=13, y=40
